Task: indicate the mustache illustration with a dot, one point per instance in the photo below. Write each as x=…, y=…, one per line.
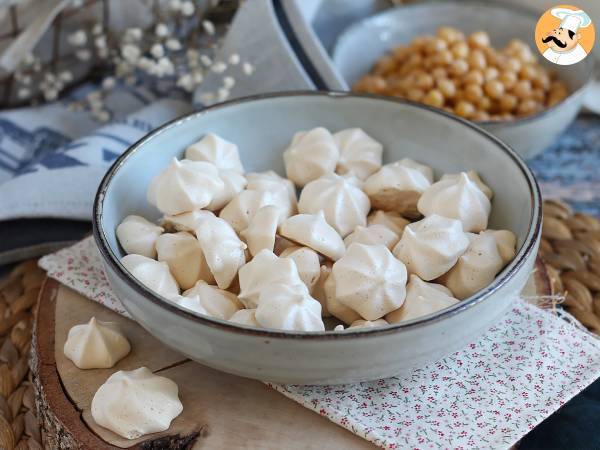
x=556, y=41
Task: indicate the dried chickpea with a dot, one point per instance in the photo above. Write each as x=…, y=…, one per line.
x=539, y=95
x=490, y=73
x=508, y=102
x=414, y=94
x=472, y=92
x=385, y=65
x=446, y=87
x=484, y=104
x=459, y=67
x=477, y=60
x=466, y=75
x=439, y=73
x=522, y=89
x=434, y=98
x=448, y=34
x=480, y=116
x=508, y=78
x=436, y=45
x=494, y=88
x=474, y=77
x=424, y=81
x=479, y=39
x=513, y=64
x=542, y=80
x=527, y=107
x=460, y=50
x=443, y=58
x=528, y=72
x=464, y=109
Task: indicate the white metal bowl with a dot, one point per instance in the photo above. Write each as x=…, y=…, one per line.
x=262, y=127
x=363, y=43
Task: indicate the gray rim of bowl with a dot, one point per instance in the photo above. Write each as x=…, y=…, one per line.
x=526, y=249
x=589, y=62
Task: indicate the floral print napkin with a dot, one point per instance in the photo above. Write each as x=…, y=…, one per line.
x=487, y=395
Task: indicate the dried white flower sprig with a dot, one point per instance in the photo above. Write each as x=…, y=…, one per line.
x=175, y=52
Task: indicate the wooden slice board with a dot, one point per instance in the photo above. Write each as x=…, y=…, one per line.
x=220, y=410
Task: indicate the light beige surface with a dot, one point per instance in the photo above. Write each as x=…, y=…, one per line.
x=233, y=412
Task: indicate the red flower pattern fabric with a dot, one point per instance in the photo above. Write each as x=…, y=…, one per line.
x=487, y=395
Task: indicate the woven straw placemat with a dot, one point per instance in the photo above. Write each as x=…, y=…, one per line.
x=570, y=248
x=19, y=425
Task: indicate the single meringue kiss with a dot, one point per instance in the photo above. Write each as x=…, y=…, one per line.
x=185, y=186
x=431, y=246
x=369, y=280
x=96, y=345
x=312, y=230
x=344, y=204
x=216, y=150
x=183, y=254
x=360, y=154
x=153, y=274
x=457, y=198
x=422, y=299
x=136, y=402
x=289, y=307
x=138, y=235
x=397, y=187
x=310, y=155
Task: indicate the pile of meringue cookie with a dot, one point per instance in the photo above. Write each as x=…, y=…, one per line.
x=365, y=243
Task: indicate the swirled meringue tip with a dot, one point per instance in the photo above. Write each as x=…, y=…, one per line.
x=155, y=275
x=216, y=150
x=310, y=155
x=369, y=280
x=282, y=190
x=183, y=254
x=138, y=235
x=312, y=230
x=476, y=268
x=343, y=203
x=360, y=154
x=135, y=403
x=289, y=307
x=184, y=186
x=457, y=198
x=431, y=246
x=263, y=270
x=260, y=233
x=422, y=299
x=475, y=178
x=96, y=345
x=225, y=253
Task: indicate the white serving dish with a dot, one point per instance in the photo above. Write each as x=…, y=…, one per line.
x=262, y=126
x=363, y=43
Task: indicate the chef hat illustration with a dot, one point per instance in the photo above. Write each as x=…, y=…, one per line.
x=571, y=20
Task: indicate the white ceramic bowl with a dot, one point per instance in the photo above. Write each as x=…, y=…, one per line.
x=380, y=33
x=262, y=126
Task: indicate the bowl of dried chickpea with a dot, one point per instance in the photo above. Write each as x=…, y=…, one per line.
x=476, y=60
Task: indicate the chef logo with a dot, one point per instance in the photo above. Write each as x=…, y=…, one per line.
x=565, y=35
